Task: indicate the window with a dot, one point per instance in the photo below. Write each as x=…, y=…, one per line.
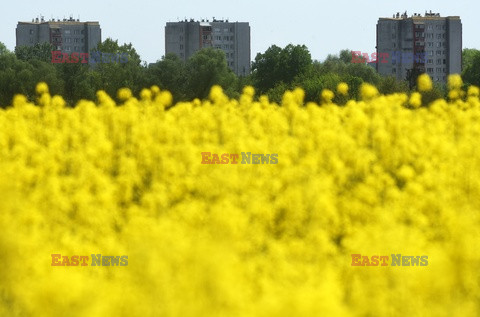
x=31, y=31
x=83, y=32
x=430, y=44
x=439, y=36
x=225, y=38
x=439, y=61
x=443, y=35
x=218, y=38
x=76, y=40
x=231, y=38
x=430, y=61
x=444, y=61
x=31, y=40
x=181, y=46
x=181, y=37
x=67, y=48
x=439, y=44
x=430, y=70
x=394, y=70
x=439, y=52
x=445, y=70
x=225, y=30
x=67, y=31
x=430, y=53
x=232, y=46
x=231, y=30
x=68, y=40
x=429, y=27
x=394, y=36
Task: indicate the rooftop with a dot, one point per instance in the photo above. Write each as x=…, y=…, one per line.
x=41, y=20
x=427, y=16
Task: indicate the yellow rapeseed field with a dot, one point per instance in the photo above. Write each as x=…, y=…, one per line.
x=383, y=176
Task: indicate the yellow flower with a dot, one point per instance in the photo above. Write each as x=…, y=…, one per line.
x=454, y=82
x=342, y=88
x=424, y=82
x=249, y=91
x=146, y=94
x=473, y=91
x=124, y=94
x=299, y=95
x=217, y=203
x=416, y=99
x=42, y=88
x=368, y=91
x=454, y=94
x=327, y=95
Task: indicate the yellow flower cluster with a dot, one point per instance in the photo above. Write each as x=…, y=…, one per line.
x=379, y=176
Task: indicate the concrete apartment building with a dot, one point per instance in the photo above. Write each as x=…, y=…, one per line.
x=68, y=35
x=184, y=38
x=438, y=38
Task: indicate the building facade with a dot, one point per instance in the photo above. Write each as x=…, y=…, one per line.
x=433, y=42
x=187, y=37
x=68, y=35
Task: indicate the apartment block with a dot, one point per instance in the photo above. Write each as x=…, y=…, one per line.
x=184, y=38
x=67, y=35
x=438, y=39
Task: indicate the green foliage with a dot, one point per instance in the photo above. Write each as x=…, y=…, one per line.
x=168, y=73
x=273, y=72
x=42, y=52
x=20, y=77
x=280, y=65
x=471, y=67
x=390, y=85
x=3, y=49
x=206, y=68
x=115, y=75
x=438, y=92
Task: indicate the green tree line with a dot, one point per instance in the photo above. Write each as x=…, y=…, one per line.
x=273, y=71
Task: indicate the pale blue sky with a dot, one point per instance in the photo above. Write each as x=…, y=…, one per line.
x=325, y=28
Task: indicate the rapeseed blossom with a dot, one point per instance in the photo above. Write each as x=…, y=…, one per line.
x=342, y=89
x=373, y=177
x=424, y=83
